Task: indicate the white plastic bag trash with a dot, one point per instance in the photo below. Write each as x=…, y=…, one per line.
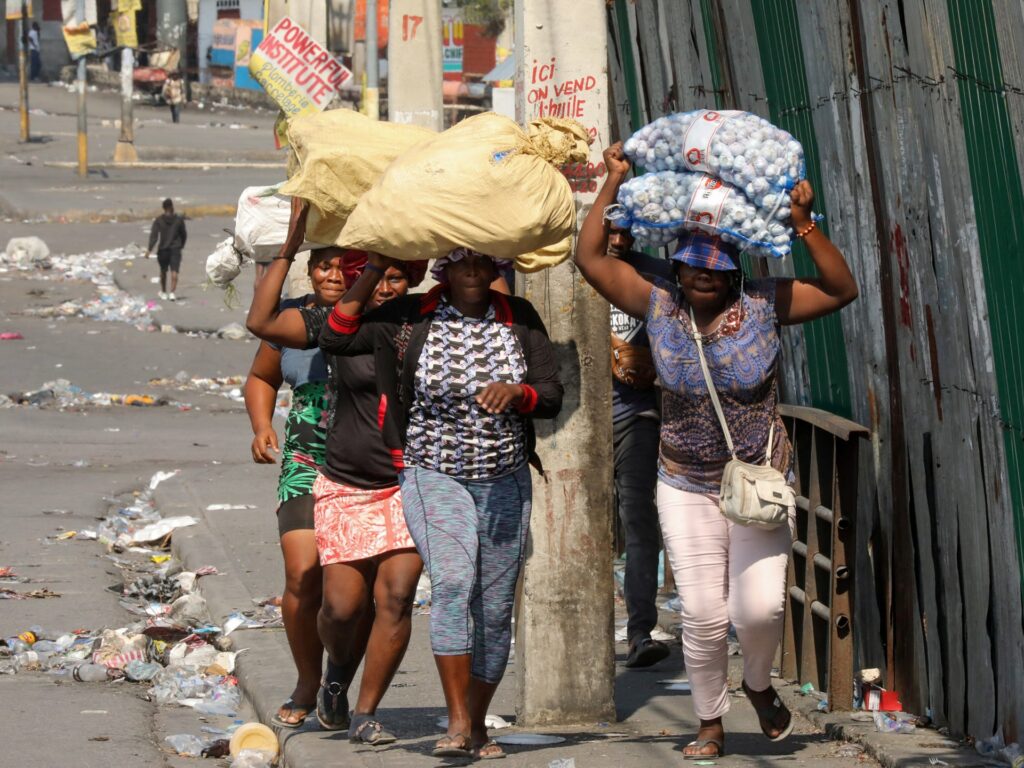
x=225, y=263
x=26, y=250
x=261, y=222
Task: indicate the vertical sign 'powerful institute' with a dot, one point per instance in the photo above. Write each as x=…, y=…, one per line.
x=296, y=71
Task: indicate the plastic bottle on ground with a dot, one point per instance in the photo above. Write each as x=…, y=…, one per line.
x=90, y=673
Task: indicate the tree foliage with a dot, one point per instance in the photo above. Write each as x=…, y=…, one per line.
x=489, y=14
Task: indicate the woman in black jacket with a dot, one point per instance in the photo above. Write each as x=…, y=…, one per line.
x=461, y=372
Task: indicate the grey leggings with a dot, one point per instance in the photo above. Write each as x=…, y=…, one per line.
x=472, y=538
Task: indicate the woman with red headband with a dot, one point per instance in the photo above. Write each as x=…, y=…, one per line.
x=370, y=564
x=716, y=348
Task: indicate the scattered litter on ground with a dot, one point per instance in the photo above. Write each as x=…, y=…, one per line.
x=170, y=645
x=225, y=507
x=111, y=304
x=62, y=394
x=225, y=386
x=10, y=594
x=233, y=332
x=10, y=336
x=894, y=722
x=564, y=762
x=850, y=750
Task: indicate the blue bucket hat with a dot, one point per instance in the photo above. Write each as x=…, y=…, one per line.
x=705, y=252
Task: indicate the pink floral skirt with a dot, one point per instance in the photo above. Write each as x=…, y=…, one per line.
x=357, y=523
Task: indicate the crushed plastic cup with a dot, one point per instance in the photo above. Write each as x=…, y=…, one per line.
x=224, y=699
x=891, y=722
x=250, y=758
x=565, y=762
x=186, y=745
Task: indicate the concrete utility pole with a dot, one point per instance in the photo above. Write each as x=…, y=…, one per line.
x=414, y=63
x=171, y=27
x=125, y=152
x=565, y=639
x=371, y=105
x=23, y=73
x=83, y=126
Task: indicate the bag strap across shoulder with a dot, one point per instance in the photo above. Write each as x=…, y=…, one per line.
x=714, y=396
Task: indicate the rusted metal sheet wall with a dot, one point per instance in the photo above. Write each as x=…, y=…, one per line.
x=912, y=117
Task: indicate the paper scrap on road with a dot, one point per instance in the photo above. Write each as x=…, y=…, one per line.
x=159, y=530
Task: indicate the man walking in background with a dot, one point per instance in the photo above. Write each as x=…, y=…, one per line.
x=635, y=435
x=174, y=94
x=35, y=53
x=169, y=235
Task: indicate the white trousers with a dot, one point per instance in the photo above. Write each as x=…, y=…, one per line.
x=724, y=573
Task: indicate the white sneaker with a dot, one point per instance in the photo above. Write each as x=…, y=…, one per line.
x=172, y=297
x=162, y=295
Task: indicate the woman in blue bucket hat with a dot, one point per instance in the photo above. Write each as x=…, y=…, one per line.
x=725, y=572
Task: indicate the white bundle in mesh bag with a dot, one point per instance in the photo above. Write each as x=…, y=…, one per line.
x=745, y=150
x=225, y=263
x=659, y=207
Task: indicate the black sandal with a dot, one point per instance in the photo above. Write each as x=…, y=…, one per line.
x=769, y=715
x=332, y=717
x=365, y=729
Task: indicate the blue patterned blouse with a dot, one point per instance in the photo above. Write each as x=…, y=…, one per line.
x=743, y=356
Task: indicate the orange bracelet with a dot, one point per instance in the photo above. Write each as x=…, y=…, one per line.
x=807, y=230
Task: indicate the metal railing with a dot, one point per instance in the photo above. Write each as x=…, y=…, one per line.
x=817, y=643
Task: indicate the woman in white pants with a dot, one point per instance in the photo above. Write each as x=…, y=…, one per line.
x=725, y=573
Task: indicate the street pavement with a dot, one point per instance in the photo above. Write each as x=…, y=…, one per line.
x=60, y=467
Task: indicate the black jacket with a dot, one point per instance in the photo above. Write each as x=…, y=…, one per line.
x=169, y=231
x=396, y=332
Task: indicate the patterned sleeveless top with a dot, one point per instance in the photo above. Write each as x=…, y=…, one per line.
x=743, y=355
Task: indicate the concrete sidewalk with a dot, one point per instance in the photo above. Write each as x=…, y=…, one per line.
x=242, y=543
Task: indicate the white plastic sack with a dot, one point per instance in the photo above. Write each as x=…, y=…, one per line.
x=261, y=222
x=659, y=207
x=745, y=150
x=26, y=250
x=225, y=263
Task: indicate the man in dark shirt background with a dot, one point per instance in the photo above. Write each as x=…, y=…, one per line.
x=635, y=435
x=168, y=235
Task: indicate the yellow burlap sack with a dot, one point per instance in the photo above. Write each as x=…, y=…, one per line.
x=336, y=156
x=485, y=184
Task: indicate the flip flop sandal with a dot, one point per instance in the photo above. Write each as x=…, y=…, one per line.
x=366, y=730
x=292, y=708
x=446, y=746
x=770, y=714
x=331, y=716
x=496, y=752
x=700, y=744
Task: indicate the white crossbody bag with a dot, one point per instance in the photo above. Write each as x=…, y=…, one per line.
x=751, y=494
